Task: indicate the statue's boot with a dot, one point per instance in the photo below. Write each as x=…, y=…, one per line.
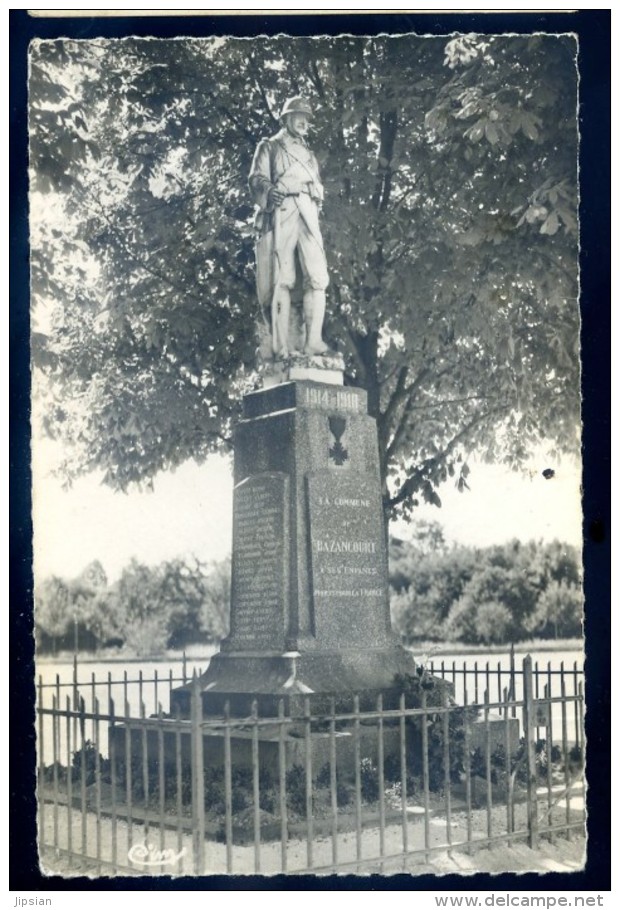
x=314, y=313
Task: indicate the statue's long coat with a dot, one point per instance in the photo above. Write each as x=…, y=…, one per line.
x=286, y=162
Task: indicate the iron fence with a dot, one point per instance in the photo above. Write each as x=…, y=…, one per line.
x=346, y=786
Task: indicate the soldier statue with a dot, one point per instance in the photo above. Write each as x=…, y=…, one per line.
x=286, y=187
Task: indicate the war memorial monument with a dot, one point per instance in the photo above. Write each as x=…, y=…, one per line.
x=309, y=608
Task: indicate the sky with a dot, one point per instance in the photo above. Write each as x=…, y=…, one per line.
x=189, y=512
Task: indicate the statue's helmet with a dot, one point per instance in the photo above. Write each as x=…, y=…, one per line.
x=296, y=105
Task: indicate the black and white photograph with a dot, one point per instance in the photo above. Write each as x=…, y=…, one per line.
x=306, y=416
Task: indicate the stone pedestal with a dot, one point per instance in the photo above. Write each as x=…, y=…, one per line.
x=310, y=610
x=323, y=368
x=175, y=749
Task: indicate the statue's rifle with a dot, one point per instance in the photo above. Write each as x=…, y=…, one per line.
x=275, y=346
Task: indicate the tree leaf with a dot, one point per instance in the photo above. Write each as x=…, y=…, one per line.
x=476, y=132
x=529, y=126
x=550, y=225
x=491, y=132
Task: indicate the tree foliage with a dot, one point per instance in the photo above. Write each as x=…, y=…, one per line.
x=450, y=226
x=52, y=615
x=438, y=593
x=492, y=595
x=72, y=611
x=559, y=611
x=147, y=610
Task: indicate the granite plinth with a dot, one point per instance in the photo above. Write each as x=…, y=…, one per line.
x=495, y=730
x=237, y=680
x=309, y=605
x=175, y=748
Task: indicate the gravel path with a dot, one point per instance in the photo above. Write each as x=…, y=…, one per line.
x=139, y=851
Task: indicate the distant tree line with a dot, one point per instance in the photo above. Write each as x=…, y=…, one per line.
x=487, y=595
x=147, y=610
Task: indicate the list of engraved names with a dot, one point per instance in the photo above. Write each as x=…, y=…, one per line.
x=259, y=561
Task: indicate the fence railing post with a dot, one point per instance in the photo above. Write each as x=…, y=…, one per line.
x=198, y=782
x=529, y=732
x=512, y=692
